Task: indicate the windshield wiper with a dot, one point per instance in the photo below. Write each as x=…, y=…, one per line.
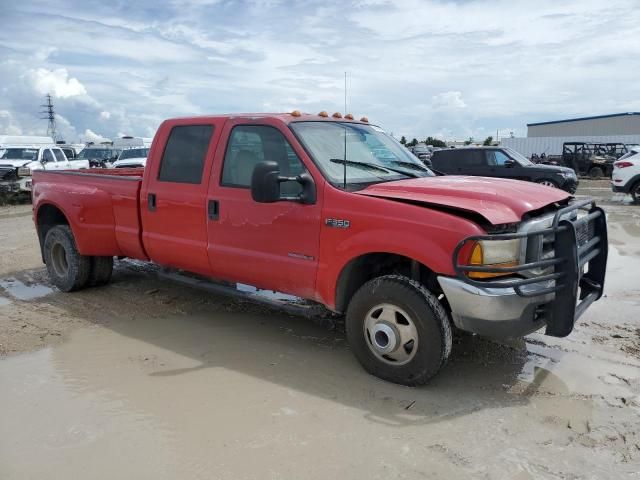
x=373, y=166
x=411, y=165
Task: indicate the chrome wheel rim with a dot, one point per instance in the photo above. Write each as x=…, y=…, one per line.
x=391, y=334
x=59, y=260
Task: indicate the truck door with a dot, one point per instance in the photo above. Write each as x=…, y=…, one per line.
x=173, y=195
x=269, y=245
x=49, y=160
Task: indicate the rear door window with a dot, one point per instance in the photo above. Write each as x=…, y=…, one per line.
x=185, y=153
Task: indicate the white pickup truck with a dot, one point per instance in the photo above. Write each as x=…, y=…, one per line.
x=18, y=161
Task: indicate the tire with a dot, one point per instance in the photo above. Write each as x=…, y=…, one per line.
x=596, y=173
x=547, y=182
x=100, y=273
x=635, y=192
x=411, y=310
x=68, y=270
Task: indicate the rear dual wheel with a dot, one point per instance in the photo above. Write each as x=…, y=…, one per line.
x=68, y=270
x=398, y=330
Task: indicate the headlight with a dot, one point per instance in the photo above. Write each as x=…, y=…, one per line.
x=567, y=174
x=494, y=253
x=24, y=172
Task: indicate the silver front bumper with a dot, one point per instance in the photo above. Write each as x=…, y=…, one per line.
x=495, y=312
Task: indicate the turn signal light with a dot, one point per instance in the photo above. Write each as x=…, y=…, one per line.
x=477, y=258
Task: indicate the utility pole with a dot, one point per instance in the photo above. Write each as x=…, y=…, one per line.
x=50, y=115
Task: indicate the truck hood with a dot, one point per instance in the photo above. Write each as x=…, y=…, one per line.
x=499, y=201
x=15, y=163
x=554, y=168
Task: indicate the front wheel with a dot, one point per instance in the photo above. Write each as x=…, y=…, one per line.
x=548, y=183
x=398, y=330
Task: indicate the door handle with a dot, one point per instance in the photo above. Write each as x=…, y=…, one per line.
x=151, y=202
x=213, y=210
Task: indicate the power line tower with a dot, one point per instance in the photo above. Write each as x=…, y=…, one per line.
x=50, y=115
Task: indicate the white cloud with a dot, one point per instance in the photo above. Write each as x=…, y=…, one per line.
x=8, y=125
x=105, y=115
x=448, y=101
x=56, y=82
x=91, y=136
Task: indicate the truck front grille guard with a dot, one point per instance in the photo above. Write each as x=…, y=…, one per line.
x=577, y=242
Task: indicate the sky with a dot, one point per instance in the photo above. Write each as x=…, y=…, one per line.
x=451, y=69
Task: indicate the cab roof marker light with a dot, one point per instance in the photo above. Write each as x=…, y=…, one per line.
x=337, y=115
x=296, y=113
x=348, y=116
x=364, y=120
x=323, y=114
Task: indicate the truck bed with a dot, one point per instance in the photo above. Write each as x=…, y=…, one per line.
x=101, y=205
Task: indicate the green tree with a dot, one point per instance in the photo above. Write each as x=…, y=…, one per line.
x=488, y=141
x=403, y=140
x=469, y=141
x=435, y=142
x=413, y=143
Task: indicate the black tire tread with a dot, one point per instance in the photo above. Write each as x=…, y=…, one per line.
x=412, y=287
x=79, y=265
x=101, y=269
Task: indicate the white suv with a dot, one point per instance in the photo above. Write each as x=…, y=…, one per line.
x=626, y=174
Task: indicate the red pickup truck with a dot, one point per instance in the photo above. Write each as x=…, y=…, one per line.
x=335, y=211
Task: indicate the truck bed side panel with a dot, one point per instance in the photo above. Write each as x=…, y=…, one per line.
x=102, y=210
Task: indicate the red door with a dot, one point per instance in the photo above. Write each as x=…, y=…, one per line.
x=173, y=204
x=269, y=245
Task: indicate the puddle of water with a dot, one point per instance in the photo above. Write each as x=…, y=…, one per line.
x=21, y=291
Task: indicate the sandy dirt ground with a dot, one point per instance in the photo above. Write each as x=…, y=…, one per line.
x=146, y=379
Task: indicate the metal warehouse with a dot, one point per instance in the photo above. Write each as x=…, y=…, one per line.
x=603, y=125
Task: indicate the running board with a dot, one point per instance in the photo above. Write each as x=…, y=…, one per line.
x=281, y=301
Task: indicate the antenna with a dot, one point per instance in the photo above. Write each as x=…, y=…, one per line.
x=344, y=164
x=50, y=115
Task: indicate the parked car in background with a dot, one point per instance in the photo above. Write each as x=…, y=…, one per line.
x=18, y=162
x=423, y=152
x=277, y=202
x=132, y=158
x=99, y=156
x=502, y=163
x=626, y=174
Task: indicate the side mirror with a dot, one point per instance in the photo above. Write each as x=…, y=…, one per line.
x=509, y=163
x=266, y=180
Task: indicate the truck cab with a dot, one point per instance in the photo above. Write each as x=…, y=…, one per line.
x=334, y=211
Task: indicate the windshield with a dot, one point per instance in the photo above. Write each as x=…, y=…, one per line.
x=518, y=157
x=134, y=153
x=91, y=153
x=20, y=154
x=363, y=144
